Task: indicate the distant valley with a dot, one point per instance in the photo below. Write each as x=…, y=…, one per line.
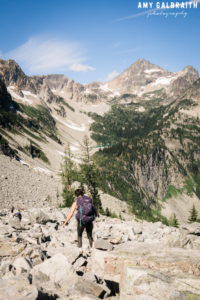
x=145, y=123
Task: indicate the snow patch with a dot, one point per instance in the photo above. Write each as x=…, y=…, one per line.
x=87, y=91
x=61, y=153
x=43, y=170
x=24, y=163
x=163, y=80
x=73, y=158
x=11, y=87
x=151, y=71
x=140, y=94
x=14, y=95
x=72, y=125
x=117, y=94
x=28, y=93
x=19, y=112
x=73, y=148
x=105, y=88
x=140, y=109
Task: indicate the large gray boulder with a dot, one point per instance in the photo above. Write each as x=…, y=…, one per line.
x=39, y=216
x=21, y=265
x=9, y=248
x=102, y=244
x=84, y=287
x=56, y=270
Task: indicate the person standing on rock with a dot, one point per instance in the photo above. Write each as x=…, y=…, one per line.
x=86, y=214
x=18, y=215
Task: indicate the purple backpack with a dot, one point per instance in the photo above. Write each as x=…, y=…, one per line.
x=86, y=212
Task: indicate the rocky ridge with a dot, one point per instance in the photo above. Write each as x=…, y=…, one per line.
x=142, y=80
x=39, y=259
x=143, y=77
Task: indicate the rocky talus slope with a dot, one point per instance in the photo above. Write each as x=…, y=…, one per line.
x=39, y=259
x=24, y=186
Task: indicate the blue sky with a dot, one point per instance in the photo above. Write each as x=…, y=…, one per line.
x=93, y=40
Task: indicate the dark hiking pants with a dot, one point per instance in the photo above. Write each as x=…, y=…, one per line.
x=80, y=229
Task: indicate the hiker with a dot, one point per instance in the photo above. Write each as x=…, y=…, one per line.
x=86, y=214
x=18, y=215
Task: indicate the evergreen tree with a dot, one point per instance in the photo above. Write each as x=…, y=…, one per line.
x=89, y=173
x=69, y=174
x=193, y=215
x=173, y=221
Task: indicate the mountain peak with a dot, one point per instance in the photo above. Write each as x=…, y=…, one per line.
x=140, y=73
x=11, y=72
x=143, y=65
x=144, y=77
x=190, y=69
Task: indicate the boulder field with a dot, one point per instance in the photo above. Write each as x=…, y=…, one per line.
x=39, y=259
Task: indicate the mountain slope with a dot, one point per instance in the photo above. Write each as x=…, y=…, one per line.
x=143, y=77
x=151, y=155
x=50, y=112
x=147, y=128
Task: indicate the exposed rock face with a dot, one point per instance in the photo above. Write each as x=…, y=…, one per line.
x=194, y=92
x=40, y=86
x=12, y=74
x=140, y=73
x=146, y=260
x=60, y=85
x=153, y=173
x=49, y=88
x=185, y=79
x=6, y=102
x=143, y=77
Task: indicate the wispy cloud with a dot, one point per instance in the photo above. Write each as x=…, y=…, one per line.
x=112, y=75
x=133, y=16
x=81, y=68
x=41, y=55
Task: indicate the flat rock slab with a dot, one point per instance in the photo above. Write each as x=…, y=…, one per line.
x=142, y=283
x=56, y=269
x=171, y=260
x=17, y=290
x=88, y=287
x=102, y=244
x=8, y=248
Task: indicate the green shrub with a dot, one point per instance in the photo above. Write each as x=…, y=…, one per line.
x=36, y=152
x=173, y=221
x=193, y=215
x=172, y=191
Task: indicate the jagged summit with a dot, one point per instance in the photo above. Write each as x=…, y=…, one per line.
x=12, y=74
x=144, y=64
x=144, y=77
